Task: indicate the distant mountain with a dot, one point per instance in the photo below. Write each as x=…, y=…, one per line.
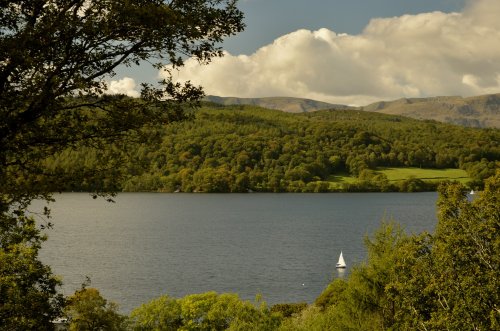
x=287, y=104
x=479, y=111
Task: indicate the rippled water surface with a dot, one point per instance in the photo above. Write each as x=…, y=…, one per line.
x=283, y=246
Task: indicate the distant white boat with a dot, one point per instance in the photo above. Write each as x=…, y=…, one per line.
x=341, y=263
x=472, y=192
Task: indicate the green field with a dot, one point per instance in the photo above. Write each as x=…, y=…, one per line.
x=342, y=178
x=397, y=174
x=400, y=174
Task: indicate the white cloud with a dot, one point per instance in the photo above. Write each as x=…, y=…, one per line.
x=125, y=86
x=409, y=56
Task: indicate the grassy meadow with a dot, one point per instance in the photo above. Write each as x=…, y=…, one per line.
x=395, y=175
x=399, y=174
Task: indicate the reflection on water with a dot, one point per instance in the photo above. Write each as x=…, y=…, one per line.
x=283, y=246
x=341, y=273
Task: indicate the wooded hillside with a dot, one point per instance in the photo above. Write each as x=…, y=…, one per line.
x=246, y=148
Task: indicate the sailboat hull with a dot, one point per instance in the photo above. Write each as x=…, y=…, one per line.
x=340, y=266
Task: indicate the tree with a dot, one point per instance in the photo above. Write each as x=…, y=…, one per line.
x=466, y=255
x=55, y=58
x=28, y=290
x=163, y=313
x=205, y=311
x=87, y=310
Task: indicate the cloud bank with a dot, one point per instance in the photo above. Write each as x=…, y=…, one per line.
x=408, y=56
x=125, y=86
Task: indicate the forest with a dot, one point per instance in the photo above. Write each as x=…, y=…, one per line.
x=251, y=149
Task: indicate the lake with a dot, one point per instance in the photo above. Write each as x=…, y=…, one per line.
x=282, y=246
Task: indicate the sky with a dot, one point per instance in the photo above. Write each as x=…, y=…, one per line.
x=350, y=51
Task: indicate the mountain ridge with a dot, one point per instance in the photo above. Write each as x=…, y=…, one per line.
x=475, y=111
x=287, y=104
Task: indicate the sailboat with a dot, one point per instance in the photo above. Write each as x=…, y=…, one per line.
x=472, y=192
x=341, y=263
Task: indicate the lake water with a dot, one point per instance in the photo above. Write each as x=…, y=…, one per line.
x=282, y=246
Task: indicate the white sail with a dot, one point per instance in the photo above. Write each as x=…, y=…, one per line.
x=341, y=263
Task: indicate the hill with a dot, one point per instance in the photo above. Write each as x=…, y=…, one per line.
x=478, y=111
x=287, y=104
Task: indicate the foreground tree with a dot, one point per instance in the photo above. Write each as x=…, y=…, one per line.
x=55, y=59
x=466, y=260
x=28, y=290
x=87, y=310
x=205, y=311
